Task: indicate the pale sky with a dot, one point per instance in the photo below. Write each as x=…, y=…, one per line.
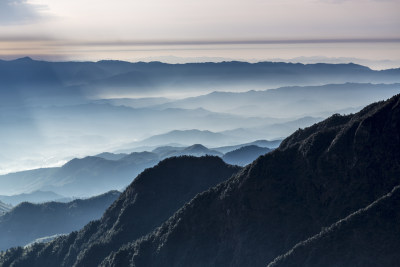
x=150, y=28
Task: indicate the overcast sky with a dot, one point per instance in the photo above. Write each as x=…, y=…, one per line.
x=41, y=27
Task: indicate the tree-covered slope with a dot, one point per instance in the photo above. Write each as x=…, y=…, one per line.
x=151, y=199
x=318, y=176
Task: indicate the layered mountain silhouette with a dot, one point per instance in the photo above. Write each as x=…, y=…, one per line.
x=317, y=186
x=27, y=222
x=93, y=78
x=245, y=155
x=34, y=197
x=81, y=177
x=96, y=174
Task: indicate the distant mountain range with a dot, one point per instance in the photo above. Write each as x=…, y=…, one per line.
x=76, y=79
x=34, y=197
x=80, y=177
x=331, y=188
x=84, y=108
x=27, y=222
x=291, y=102
x=96, y=174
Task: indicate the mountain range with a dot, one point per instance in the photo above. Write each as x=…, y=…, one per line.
x=85, y=108
x=106, y=171
x=332, y=183
x=27, y=222
x=76, y=79
x=34, y=197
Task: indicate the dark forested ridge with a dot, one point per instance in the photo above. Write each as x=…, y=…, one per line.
x=27, y=222
x=151, y=199
x=367, y=238
x=318, y=176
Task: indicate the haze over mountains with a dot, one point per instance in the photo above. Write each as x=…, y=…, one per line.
x=345, y=167
x=34, y=197
x=86, y=108
x=94, y=175
x=28, y=222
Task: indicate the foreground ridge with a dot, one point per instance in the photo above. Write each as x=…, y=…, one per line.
x=318, y=176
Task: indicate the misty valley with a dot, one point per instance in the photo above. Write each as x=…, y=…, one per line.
x=113, y=163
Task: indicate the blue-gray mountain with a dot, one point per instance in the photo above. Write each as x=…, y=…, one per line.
x=318, y=176
x=245, y=155
x=96, y=174
x=77, y=79
x=34, y=197
x=27, y=222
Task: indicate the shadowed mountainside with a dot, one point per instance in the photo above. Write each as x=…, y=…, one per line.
x=27, y=222
x=368, y=238
x=151, y=198
x=316, y=177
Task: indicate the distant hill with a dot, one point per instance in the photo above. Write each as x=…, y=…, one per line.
x=245, y=155
x=291, y=101
x=197, y=150
x=259, y=143
x=80, y=177
x=34, y=197
x=186, y=137
x=111, y=156
x=27, y=222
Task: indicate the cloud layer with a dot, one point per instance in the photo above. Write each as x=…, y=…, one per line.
x=18, y=12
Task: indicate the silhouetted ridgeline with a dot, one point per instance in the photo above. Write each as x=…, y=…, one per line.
x=316, y=177
x=77, y=78
x=245, y=155
x=27, y=222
